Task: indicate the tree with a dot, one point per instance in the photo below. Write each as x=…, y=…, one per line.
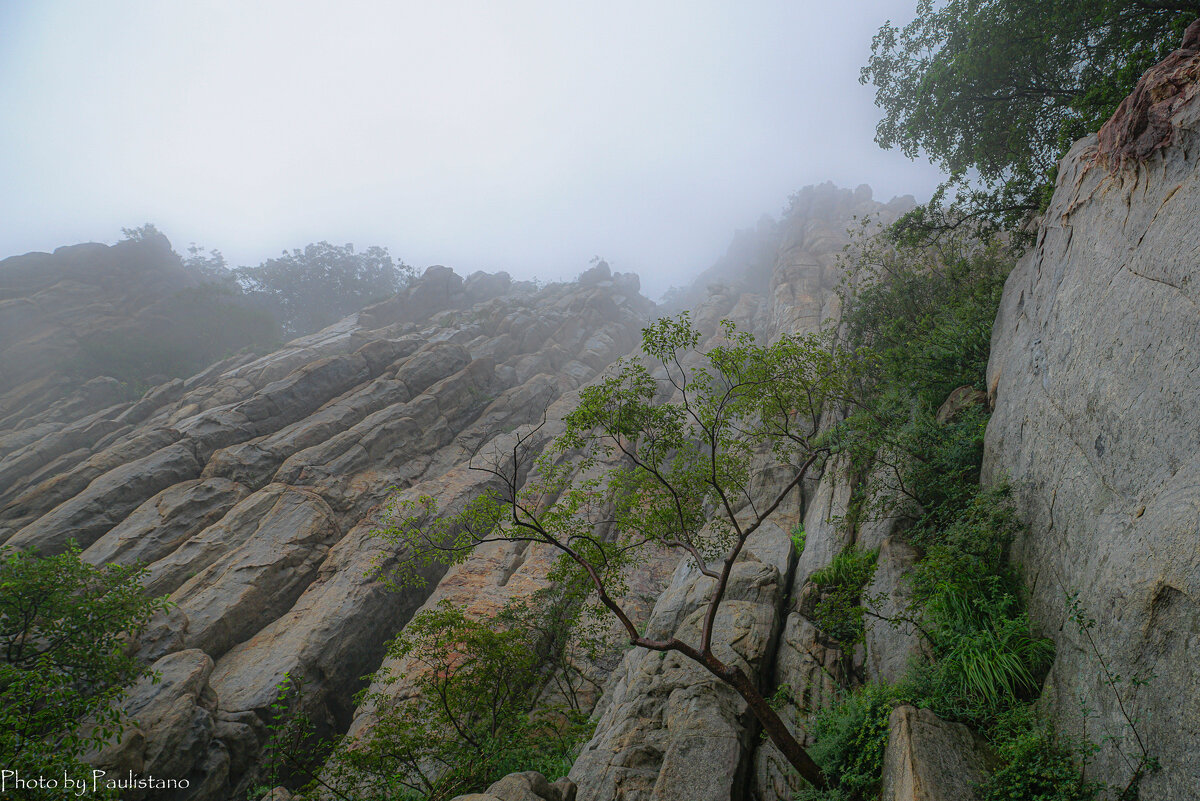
x=471, y=710
x=309, y=289
x=684, y=479
x=141, y=233
x=210, y=267
x=65, y=627
x=995, y=91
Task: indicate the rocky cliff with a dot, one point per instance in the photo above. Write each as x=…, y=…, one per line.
x=253, y=489
x=52, y=304
x=1094, y=372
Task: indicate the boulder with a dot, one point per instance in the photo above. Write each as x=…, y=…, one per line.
x=89, y=515
x=527, y=786
x=169, y=720
x=929, y=759
x=892, y=638
x=163, y=523
x=958, y=400
x=667, y=728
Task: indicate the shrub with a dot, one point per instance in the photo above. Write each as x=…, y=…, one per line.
x=64, y=661
x=1036, y=764
x=851, y=738
x=472, y=716
x=839, y=613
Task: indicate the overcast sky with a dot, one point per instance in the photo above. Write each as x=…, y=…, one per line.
x=525, y=136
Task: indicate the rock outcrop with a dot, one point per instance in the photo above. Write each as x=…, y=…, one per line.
x=53, y=303
x=929, y=759
x=1094, y=372
x=252, y=492
x=527, y=786
x=666, y=729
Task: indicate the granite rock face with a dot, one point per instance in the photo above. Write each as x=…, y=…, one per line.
x=50, y=305
x=527, y=786
x=892, y=639
x=667, y=730
x=252, y=492
x=1094, y=372
x=929, y=759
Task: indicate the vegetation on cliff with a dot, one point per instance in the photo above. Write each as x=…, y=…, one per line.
x=995, y=92
x=925, y=321
x=474, y=711
x=684, y=478
x=65, y=628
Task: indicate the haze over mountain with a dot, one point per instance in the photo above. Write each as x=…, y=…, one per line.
x=525, y=137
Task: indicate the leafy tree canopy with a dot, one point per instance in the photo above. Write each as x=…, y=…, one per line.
x=471, y=712
x=311, y=288
x=677, y=455
x=64, y=629
x=995, y=91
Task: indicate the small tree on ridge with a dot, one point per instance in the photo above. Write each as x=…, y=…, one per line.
x=684, y=479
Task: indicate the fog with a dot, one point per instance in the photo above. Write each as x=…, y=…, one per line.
x=520, y=136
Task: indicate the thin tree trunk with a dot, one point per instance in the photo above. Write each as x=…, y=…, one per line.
x=772, y=724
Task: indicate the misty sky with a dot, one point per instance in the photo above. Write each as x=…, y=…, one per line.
x=526, y=136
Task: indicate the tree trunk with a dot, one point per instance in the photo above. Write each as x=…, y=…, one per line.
x=774, y=726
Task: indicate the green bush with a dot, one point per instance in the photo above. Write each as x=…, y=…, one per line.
x=851, y=738
x=839, y=613
x=799, y=538
x=473, y=715
x=970, y=602
x=1036, y=764
x=64, y=660
x=923, y=327
x=927, y=315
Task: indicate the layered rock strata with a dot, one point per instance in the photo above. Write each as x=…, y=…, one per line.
x=252, y=493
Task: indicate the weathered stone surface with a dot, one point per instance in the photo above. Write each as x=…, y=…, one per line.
x=928, y=759
x=278, y=794
x=527, y=786
x=108, y=500
x=892, y=638
x=667, y=728
x=1094, y=372
x=277, y=508
x=166, y=521
x=1146, y=121
x=804, y=663
x=958, y=400
x=169, y=722
x=825, y=532
x=65, y=478
x=264, y=535
x=255, y=582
